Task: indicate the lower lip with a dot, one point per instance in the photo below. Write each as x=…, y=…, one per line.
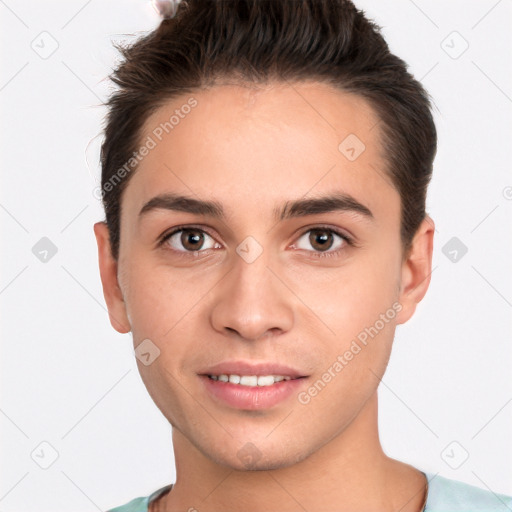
x=252, y=397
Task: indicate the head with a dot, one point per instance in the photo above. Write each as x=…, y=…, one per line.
x=304, y=149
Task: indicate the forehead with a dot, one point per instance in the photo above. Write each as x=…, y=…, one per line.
x=260, y=146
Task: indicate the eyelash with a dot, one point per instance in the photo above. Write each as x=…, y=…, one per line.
x=316, y=254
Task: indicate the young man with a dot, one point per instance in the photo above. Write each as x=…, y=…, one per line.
x=265, y=167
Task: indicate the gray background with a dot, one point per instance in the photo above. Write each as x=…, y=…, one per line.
x=70, y=381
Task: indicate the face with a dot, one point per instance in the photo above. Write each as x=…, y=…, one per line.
x=317, y=288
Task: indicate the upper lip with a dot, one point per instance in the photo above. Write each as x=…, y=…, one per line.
x=251, y=368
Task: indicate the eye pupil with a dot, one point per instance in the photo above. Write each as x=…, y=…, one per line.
x=192, y=234
x=321, y=235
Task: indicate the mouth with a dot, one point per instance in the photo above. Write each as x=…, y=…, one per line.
x=251, y=380
x=251, y=385
x=245, y=385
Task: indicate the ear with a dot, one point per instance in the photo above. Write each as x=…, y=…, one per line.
x=416, y=270
x=108, y=272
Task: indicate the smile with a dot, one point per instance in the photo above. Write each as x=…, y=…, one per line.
x=250, y=380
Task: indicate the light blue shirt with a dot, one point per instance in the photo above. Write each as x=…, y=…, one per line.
x=444, y=495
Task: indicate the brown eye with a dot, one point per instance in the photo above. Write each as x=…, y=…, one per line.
x=189, y=240
x=192, y=239
x=322, y=240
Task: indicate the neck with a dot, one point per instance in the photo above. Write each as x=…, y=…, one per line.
x=349, y=473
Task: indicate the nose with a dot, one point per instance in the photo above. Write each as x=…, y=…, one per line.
x=252, y=301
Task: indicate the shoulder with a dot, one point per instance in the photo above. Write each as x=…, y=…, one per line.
x=135, y=505
x=447, y=495
x=141, y=504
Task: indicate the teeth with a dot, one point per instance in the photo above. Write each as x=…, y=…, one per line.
x=250, y=380
x=234, y=379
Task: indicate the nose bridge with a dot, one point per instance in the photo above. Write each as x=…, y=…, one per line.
x=252, y=281
x=251, y=272
x=251, y=300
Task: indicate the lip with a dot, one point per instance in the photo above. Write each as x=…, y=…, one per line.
x=248, y=368
x=251, y=397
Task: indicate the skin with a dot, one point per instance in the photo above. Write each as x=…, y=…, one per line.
x=252, y=149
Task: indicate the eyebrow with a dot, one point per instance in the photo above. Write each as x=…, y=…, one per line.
x=338, y=201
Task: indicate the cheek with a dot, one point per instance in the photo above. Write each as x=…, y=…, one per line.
x=167, y=306
x=162, y=382
x=159, y=297
x=347, y=299
x=351, y=371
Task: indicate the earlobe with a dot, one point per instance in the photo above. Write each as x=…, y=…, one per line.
x=108, y=273
x=416, y=270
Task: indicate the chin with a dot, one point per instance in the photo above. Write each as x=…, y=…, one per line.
x=271, y=464
x=250, y=458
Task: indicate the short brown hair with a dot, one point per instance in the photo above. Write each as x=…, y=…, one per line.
x=256, y=42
